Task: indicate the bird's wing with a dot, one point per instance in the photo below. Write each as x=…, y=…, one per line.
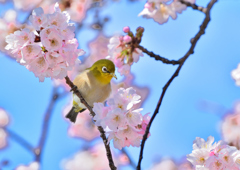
x=91, y=90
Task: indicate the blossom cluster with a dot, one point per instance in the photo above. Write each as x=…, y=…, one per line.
x=125, y=125
x=9, y=24
x=122, y=52
x=93, y=158
x=161, y=10
x=51, y=50
x=236, y=75
x=207, y=155
x=4, y=120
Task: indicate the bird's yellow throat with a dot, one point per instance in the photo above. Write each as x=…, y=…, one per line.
x=101, y=77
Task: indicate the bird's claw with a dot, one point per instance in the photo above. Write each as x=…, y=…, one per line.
x=74, y=88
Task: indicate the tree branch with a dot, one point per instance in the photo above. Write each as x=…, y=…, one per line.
x=181, y=60
x=103, y=136
x=194, y=6
x=157, y=57
x=45, y=128
x=25, y=144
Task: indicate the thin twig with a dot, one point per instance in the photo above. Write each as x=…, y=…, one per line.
x=25, y=144
x=194, y=6
x=132, y=163
x=45, y=127
x=182, y=60
x=157, y=57
x=103, y=136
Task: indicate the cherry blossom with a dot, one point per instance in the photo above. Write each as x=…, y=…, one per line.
x=51, y=50
x=128, y=82
x=120, y=51
x=161, y=10
x=31, y=166
x=217, y=156
x=124, y=123
x=200, y=143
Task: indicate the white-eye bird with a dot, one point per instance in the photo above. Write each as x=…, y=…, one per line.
x=94, y=85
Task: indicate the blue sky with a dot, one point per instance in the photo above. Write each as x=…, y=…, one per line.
x=205, y=76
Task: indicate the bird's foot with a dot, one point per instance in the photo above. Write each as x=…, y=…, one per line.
x=74, y=88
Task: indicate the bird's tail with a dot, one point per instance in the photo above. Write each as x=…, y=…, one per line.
x=72, y=114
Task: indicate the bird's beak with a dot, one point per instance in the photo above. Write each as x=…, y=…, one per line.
x=114, y=75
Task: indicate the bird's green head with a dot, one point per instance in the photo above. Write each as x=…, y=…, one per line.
x=103, y=70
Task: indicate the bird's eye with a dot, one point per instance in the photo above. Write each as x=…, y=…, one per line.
x=104, y=69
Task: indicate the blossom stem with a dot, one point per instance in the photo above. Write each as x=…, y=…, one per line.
x=194, y=6
x=157, y=57
x=101, y=130
x=182, y=60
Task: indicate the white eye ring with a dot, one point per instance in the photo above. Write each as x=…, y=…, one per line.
x=104, y=69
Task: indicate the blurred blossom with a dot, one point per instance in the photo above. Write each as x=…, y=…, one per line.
x=207, y=155
x=83, y=127
x=4, y=119
x=231, y=127
x=10, y=15
x=236, y=75
x=93, y=159
x=98, y=48
x=168, y=164
x=32, y=166
x=26, y=5
x=165, y=164
x=185, y=166
x=3, y=138
x=77, y=9
x=161, y=10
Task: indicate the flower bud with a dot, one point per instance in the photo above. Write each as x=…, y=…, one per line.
x=140, y=30
x=127, y=39
x=126, y=29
